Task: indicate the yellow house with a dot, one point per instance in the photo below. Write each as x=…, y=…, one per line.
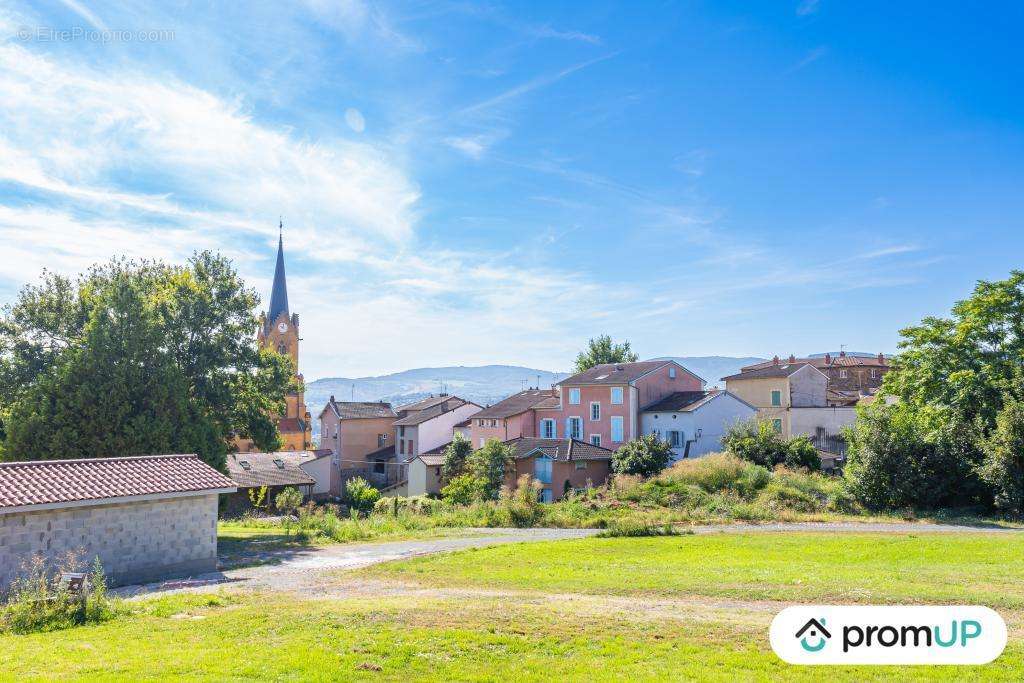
x=777, y=389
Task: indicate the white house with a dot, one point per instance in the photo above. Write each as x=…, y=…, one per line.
x=427, y=425
x=694, y=422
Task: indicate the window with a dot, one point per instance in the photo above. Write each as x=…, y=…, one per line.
x=401, y=446
x=437, y=471
x=411, y=450
x=335, y=432
x=776, y=398
x=675, y=438
x=547, y=429
x=542, y=469
x=494, y=423
x=479, y=423
x=382, y=440
x=616, y=396
x=777, y=426
x=545, y=495
x=574, y=428
x=595, y=411
x=574, y=397
x=595, y=439
x=616, y=429
x=379, y=468
x=582, y=464
x=671, y=372
x=842, y=374
x=401, y=431
x=874, y=373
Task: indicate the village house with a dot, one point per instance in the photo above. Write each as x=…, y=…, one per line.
x=510, y=418
x=146, y=518
x=851, y=377
x=602, y=405
x=352, y=430
x=694, y=422
x=793, y=397
x=559, y=465
x=310, y=472
x=421, y=427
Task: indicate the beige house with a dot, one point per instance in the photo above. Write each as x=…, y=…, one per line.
x=352, y=430
x=789, y=395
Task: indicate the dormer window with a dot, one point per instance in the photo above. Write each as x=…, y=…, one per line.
x=245, y=465
x=279, y=463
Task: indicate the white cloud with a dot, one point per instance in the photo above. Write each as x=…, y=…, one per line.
x=807, y=7
x=354, y=119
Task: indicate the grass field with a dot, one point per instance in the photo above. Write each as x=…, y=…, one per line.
x=676, y=608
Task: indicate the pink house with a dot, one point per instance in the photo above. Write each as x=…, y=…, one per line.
x=602, y=405
x=510, y=418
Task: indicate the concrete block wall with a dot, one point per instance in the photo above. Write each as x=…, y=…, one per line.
x=136, y=541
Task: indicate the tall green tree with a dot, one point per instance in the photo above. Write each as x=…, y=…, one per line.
x=455, y=456
x=1003, y=468
x=137, y=358
x=967, y=362
x=603, y=350
x=488, y=466
x=645, y=456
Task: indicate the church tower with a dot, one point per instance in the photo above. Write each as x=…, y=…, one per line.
x=279, y=330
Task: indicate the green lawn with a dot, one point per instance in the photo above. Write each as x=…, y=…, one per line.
x=595, y=609
x=845, y=567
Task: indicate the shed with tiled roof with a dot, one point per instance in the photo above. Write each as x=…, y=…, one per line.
x=144, y=517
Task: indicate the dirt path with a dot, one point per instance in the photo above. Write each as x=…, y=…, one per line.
x=306, y=570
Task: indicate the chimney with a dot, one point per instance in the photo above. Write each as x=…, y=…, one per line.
x=332, y=395
x=792, y=358
x=842, y=353
x=775, y=360
x=828, y=359
x=881, y=358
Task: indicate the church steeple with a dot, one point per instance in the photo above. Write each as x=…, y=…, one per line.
x=279, y=293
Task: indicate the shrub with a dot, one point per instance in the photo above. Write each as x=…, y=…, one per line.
x=522, y=506
x=488, y=465
x=417, y=505
x=455, y=456
x=463, y=490
x=1003, y=467
x=756, y=441
x=800, y=452
x=37, y=600
x=645, y=456
x=719, y=472
x=632, y=528
x=359, y=495
x=907, y=456
x=288, y=501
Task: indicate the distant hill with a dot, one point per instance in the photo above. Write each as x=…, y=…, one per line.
x=485, y=384
x=713, y=368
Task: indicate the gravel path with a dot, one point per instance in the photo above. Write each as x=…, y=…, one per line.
x=302, y=570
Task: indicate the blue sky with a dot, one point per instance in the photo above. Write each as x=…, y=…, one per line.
x=471, y=183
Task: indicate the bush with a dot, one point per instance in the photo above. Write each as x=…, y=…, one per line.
x=719, y=472
x=416, y=505
x=633, y=529
x=645, y=456
x=359, y=495
x=37, y=601
x=488, y=466
x=800, y=452
x=907, y=456
x=522, y=506
x=288, y=501
x=1003, y=467
x=757, y=441
x=463, y=490
x=455, y=456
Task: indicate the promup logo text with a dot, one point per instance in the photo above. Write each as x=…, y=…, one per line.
x=888, y=635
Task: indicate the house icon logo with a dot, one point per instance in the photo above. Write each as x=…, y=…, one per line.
x=814, y=631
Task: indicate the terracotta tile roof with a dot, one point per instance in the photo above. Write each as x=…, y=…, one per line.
x=559, y=449
x=42, y=482
x=829, y=360
x=355, y=410
x=516, y=403
x=769, y=371
x=249, y=470
x=614, y=373
x=432, y=460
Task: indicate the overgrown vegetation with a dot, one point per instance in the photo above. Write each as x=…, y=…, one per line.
x=645, y=456
x=758, y=442
x=39, y=601
x=360, y=495
x=480, y=475
x=954, y=435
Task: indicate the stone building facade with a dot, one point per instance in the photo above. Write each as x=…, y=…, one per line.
x=145, y=518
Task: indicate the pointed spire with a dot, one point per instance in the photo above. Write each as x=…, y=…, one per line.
x=279, y=292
